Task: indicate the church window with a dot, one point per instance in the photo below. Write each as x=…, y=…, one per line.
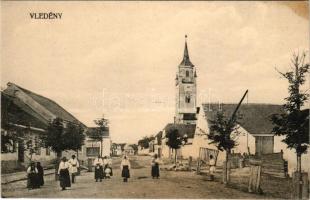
x=187, y=73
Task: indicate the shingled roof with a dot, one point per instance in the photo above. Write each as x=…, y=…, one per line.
x=36, y=99
x=188, y=129
x=186, y=61
x=14, y=111
x=255, y=118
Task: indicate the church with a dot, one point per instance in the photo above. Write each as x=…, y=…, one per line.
x=193, y=121
x=185, y=109
x=186, y=91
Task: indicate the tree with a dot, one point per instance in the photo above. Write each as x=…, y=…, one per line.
x=294, y=123
x=60, y=139
x=174, y=141
x=145, y=141
x=76, y=134
x=99, y=133
x=221, y=135
x=135, y=148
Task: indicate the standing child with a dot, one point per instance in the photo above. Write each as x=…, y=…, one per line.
x=212, y=167
x=125, y=167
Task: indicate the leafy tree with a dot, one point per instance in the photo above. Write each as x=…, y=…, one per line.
x=54, y=137
x=76, y=134
x=135, y=148
x=145, y=141
x=174, y=141
x=60, y=139
x=221, y=130
x=294, y=123
x=98, y=134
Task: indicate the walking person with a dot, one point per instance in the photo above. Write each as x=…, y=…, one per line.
x=40, y=174
x=155, y=167
x=98, y=163
x=64, y=176
x=212, y=167
x=74, y=165
x=125, y=167
x=32, y=176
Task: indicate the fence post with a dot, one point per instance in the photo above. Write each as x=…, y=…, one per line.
x=305, y=186
x=190, y=159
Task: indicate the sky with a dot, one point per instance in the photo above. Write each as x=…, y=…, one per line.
x=119, y=59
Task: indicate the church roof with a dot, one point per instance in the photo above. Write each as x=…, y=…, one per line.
x=186, y=61
x=255, y=118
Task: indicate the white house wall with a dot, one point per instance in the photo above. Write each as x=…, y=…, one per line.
x=290, y=155
x=106, y=147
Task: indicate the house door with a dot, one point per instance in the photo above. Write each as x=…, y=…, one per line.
x=21, y=151
x=264, y=145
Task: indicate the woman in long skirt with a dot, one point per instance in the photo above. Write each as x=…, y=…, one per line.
x=98, y=164
x=155, y=167
x=64, y=176
x=32, y=174
x=40, y=174
x=125, y=167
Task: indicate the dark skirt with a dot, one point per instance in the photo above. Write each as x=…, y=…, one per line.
x=40, y=179
x=125, y=172
x=155, y=170
x=40, y=176
x=64, y=178
x=32, y=181
x=98, y=172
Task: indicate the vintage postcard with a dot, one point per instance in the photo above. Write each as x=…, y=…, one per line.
x=166, y=99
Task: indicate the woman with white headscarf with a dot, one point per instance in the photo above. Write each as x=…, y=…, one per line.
x=125, y=167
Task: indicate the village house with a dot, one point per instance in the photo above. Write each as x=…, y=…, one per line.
x=24, y=116
x=255, y=138
x=116, y=149
x=128, y=150
x=93, y=148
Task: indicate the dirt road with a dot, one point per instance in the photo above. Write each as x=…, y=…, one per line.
x=170, y=185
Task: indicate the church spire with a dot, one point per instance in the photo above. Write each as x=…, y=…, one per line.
x=186, y=61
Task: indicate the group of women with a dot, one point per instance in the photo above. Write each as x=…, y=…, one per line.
x=103, y=168
x=35, y=174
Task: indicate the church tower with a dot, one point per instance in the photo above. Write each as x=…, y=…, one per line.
x=186, y=90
